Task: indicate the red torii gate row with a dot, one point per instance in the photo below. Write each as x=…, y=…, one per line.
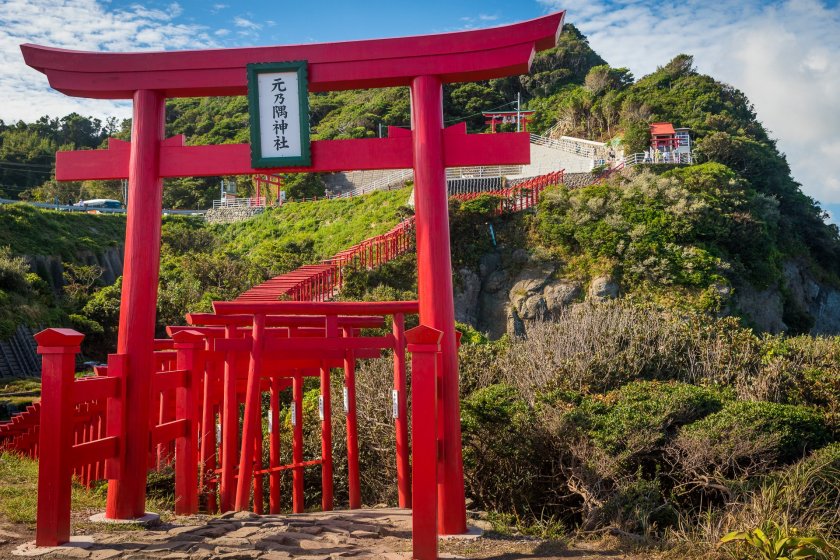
x=203, y=374
x=421, y=63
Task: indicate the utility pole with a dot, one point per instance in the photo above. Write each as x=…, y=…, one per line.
x=518, y=112
x=380, y=130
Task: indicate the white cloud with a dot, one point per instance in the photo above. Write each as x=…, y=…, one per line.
x=246, y=23
x=83, y=25
x=785, y=55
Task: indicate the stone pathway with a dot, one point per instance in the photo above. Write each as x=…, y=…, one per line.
x=380, y=533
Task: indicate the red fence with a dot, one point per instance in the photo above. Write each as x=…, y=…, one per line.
x=520, y=196
x=320, y=282
x=20, y=434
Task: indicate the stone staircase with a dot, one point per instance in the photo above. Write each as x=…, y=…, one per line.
x=18, y=355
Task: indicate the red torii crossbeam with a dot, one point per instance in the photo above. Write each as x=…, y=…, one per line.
x=422, y=63
x=394, y=152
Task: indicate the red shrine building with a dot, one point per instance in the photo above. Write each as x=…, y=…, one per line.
x=669, y=144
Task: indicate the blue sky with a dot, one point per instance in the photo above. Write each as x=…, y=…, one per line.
x=784, y=54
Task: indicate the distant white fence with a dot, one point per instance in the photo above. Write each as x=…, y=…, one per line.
x=576, y=146
x=90, y=210
x=657, y=157
x=252, y=202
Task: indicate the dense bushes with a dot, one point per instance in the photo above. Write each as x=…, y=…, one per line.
x=630, y=419
x=695, y=230
x=745, y=430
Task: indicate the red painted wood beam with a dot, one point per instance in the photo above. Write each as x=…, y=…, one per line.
x=177, y=160
x=454, y=57
x=316, y=308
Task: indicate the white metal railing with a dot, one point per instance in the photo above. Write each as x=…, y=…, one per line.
x=657, y=157
x=548, y=133
x=252, y=202
x=398, y=177
x=473, y=184
x=577, y=146
x=480, y=172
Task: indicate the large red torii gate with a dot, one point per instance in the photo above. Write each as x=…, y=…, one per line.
x=422, y=63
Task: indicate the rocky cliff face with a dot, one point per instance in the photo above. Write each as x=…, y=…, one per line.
x=50, y=267
x=507, y=292
x=800, y=300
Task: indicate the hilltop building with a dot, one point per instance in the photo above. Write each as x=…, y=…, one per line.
x=669, y=144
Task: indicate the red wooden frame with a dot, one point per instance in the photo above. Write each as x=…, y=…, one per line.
x=422, y=63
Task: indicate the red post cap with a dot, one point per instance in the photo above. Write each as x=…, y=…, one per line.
x=50, y=338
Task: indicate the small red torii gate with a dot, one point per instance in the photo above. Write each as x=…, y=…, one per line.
x=421, y=63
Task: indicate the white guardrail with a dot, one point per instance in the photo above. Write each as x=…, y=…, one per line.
x=252, y=202
x=577, y=146
x=88, y=209
x=400, y=176
x=658, y=157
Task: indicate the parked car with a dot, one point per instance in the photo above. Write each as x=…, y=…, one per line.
x=97, y=203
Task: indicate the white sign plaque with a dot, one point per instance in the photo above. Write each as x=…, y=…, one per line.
x=279, y=111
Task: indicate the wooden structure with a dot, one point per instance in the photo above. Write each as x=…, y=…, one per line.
x=423, y=64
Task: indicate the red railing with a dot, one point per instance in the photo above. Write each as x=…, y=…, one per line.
x=520, y=196
x=320, y=282
x=20, y=434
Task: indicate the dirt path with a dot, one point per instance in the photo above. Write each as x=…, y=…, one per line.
x=374, y=533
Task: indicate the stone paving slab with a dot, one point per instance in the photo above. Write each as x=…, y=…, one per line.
x=354, y=534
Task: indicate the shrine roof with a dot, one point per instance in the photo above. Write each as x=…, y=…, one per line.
x=456, y=57
x=661, y=129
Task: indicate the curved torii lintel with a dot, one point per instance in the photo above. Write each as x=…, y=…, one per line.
x=454, y=57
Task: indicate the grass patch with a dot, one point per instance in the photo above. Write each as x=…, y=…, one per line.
x=20, y=386
x=32, y=231
x=19, y=496
x=19, y=491
x=325, y=226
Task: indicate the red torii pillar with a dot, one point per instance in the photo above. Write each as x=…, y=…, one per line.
x=138, y=303
x=434, y=283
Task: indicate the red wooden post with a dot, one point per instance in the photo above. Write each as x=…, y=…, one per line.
x=434, y=278
x=250, y=425
x=424, y=345
x=274, y=481
x=138, y=303
x=325, y=410
x=208, y=433
x=258, y=478
x=297, y=443
x=230, y=428
x=401, y=413
x=115, y=421
x=353, y=482
x=190, y=348
x=58, y=348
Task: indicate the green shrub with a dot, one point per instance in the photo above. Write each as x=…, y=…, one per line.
x=754, y=436
x=633, y=424
x=502, y=451
x=13, y=271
